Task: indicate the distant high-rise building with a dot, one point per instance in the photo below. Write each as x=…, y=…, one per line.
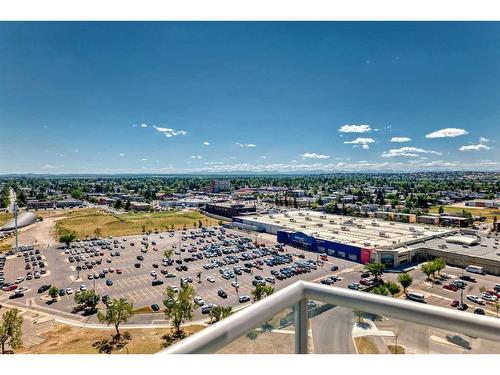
x=219, y=185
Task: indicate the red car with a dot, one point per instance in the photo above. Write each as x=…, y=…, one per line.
x=455, y=303
x=366, y=282
x=119, y=271
x=324, y=257
x=451, y=287
x=9, y=288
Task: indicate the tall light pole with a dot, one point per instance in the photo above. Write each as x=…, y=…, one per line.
x=15, y=221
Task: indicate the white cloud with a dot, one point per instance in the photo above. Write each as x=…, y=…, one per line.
x=354, y=128
x=408, y=152
x=50, y=166
x=76, y=150
x=263, y=157
x=61, y=155
x=400, y=139
x=447, y=133
x=483, y=140
x=196, y=157
x=143, y=159
x=246, y=144
x=122, y=154
x=206, y=143
x=169, y=132
x=313, y=155
x=214, y=163
x=144, y=126
x=478, y=147
x=365, y=142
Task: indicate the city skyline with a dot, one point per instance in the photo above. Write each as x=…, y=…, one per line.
x=248, y=97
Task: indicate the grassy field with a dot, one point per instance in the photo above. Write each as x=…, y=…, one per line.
x=489, y=213
x=66, y=339
x=365, y=345
x=84, y=222
x=5, y=216
x=393, y=350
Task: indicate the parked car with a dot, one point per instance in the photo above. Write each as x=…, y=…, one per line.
x=479, y=311
x=243, y=299
x=155, y=307
x=475, y=299
x=109, y=282
x=221, y=293
x=451, y=287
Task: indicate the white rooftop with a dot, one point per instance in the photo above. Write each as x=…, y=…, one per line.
x=361, y=232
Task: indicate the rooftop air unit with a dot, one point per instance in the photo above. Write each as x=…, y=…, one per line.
x=335, y=231
x=303, y=226
x=319, y=224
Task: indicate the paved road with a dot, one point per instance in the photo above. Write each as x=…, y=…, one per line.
x=332, y=332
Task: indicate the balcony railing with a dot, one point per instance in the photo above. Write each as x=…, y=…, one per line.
x=297, y=295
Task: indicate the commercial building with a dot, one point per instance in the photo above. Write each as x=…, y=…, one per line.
x=358, y=239
x=229, y=209
x=489, y=203
x=219, y=185
x=140, y=206
x=39, y=205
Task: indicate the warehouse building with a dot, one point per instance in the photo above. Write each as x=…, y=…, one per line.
x=358, y=239
x=229, y=209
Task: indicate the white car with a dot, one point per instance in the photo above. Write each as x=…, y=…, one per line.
x=235, y=284
x=69, y=291
x=83, y=288
x=22, y=289
x=20, y=279
x=153, y=273
x=489, y=297
x=475, y=299
x=199, y=301
x=210, y=279
x=174, y=288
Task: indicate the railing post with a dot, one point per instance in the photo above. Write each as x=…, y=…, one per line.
x=301, y=327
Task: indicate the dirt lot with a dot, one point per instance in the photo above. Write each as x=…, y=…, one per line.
x=84, y=222
x=66, y=339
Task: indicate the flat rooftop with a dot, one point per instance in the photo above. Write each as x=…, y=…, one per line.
x=488, y=247
x=362, y=232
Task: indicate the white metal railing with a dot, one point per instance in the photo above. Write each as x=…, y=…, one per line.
x=222, y=333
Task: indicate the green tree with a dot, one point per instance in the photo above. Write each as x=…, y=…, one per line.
x=428, y=269
x=441, y=210
x=53, y=291
x=392, y=287
x=97, y=232
x=117, y=312
x=198, y=275
x=118, y=204
x=87, y=298
x=168, y=253
x=179, y=307
x=380, y=289
x=217, y=313
x=67, y=238
x=376, y=269
x=405, y=279
x=360, y=315
x=439, y=264
x=11, y=330
x=260, y=291
x=127, y=205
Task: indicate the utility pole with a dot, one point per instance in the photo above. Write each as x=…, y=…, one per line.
x=17, y=233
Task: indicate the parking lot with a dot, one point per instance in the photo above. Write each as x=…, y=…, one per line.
x=224, y=249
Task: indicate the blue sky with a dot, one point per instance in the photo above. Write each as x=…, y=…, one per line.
x=171, y=97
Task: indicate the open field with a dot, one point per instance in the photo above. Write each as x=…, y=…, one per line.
x=85, y=222
x=66, y=339
x=489, y=213
x=5, y=216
